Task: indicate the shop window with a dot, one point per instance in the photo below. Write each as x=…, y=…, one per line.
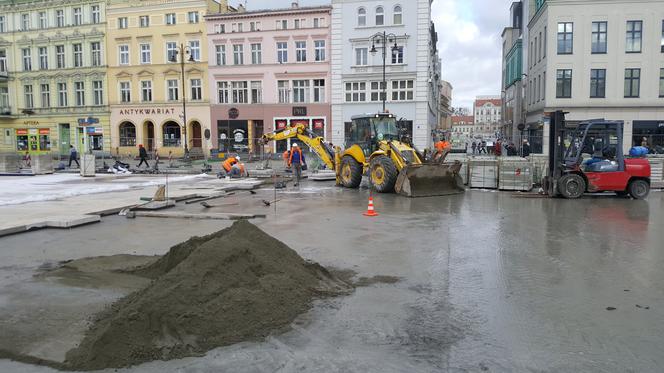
x=127, y=134
x=171, y=134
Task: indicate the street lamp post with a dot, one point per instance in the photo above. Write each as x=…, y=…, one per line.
x=382, y=39
x=183, y=50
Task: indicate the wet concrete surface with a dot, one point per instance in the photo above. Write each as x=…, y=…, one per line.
x=489, y=282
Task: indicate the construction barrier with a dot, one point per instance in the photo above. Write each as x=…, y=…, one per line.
x=483, y=172
x=515, y=173
x=656, y=170
x=42, y=164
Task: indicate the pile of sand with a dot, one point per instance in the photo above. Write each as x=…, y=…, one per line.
x=235, y=285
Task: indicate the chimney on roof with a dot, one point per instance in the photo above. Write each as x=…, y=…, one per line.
x=295, y=4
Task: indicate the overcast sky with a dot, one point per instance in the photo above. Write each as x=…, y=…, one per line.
x=468, y=39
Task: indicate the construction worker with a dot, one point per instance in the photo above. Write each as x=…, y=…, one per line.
x=229, y=162
x=286, y=157
x=442, y=147
x=295, y=161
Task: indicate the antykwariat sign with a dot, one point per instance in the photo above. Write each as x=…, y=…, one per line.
x=149, y=111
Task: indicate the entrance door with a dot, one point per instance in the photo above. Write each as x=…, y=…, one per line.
x=149, y=136
x=196, y=136
x=64, y=137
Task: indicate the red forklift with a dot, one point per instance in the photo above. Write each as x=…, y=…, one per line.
x=588, y=158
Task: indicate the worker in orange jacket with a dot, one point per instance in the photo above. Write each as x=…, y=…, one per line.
x=229, y=162
x=442, y=148
x=295, y=161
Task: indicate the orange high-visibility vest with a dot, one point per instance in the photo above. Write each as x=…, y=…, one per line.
x=299, y=152
x=228, y=163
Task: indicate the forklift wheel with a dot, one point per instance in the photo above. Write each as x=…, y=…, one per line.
x=571, y=186
x=639, y=189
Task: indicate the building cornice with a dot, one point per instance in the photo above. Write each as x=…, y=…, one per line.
x=268, y=13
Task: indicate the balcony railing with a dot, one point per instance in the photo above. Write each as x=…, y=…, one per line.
x=5, y=110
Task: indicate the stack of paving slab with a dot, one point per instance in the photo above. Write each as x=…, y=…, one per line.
x=656, y=170
x=9, y=163
x=463, y=159
x=42, y=164
x=515, y=173
x=540, y=167
x=483, y=172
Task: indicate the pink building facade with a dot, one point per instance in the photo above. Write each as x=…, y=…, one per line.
x=268, y=70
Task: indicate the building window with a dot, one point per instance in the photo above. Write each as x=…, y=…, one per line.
x=146, y=53
x=544, y=41
x=237, y=27
x=397, y=55
x=402, y=90
x=29, y=101
x=256, y=54
x=319, y=90
x=220, y=52
x=599, y=33
x=122, y=23
x=239, y=92
x=144, y=21
x=361, y=17
x=283, y=86
x=564, y=83
x=196, y=89
x=256, y=92
x=42, y=20
x=45, y=96
x=27, y=59
x=254, y=26
x=319, y=46
x=78, y=17
x=125, y=92
x=146, y=91
x=171, y=51
x=98, y=92
x=319, y=22
x=662, y=41
x=25, y=22
x=377, y=93
x=301, y=51
x=300, y=91
x=78, y=55
x=565, y=37
x=62, y=94
x=361, y=55
x=661, y=82
x=171, y=134
x=282, y=52
x=398, y=15
x=79, y=91
x=127, y=134
x=282, y=24
x=3, y=24
x=3, y=61
x=43, y=58
x=634, y=36
x=96, y=14
x=597, y=83
x=238, y=54
x=632, y=83
x=299, y=23
x=380, y=16
x=195, y=49
x=124, y=54
x=172, y=86
x=95, y=47
x=171, y=19
x=193, y=17
x=356, y=92
x=60, y=18
x=223, y=93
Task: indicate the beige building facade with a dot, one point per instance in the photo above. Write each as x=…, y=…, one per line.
x=147, y=40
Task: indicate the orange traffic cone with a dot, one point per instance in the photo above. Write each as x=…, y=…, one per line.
x=370, y=209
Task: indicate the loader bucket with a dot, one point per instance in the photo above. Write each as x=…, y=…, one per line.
x=428, y=180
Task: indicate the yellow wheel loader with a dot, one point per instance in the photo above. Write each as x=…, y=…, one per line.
x=374, y=148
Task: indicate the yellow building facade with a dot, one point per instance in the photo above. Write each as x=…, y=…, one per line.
x=53, y=77
x=147, y=41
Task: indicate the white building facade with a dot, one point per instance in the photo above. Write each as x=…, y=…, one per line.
x=597, y=60
x=412, y=68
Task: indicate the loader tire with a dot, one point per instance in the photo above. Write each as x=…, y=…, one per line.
x=351, y=172
x=383, y=174
x=571, y=186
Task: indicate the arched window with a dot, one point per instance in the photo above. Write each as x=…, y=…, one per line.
x=171, y=134
x=361, y=17
x=127, y=134
x=398, y=15
x=380, y=17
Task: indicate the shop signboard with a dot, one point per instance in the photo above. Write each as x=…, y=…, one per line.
x=319, y=124
x=280, y=124
x=83, y=122
x=299, y=111
x=44, y=131
x=21, y=132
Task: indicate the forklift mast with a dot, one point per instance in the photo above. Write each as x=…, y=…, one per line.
x=556, y=143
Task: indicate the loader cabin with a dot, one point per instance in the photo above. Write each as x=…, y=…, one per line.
x=367, y=129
